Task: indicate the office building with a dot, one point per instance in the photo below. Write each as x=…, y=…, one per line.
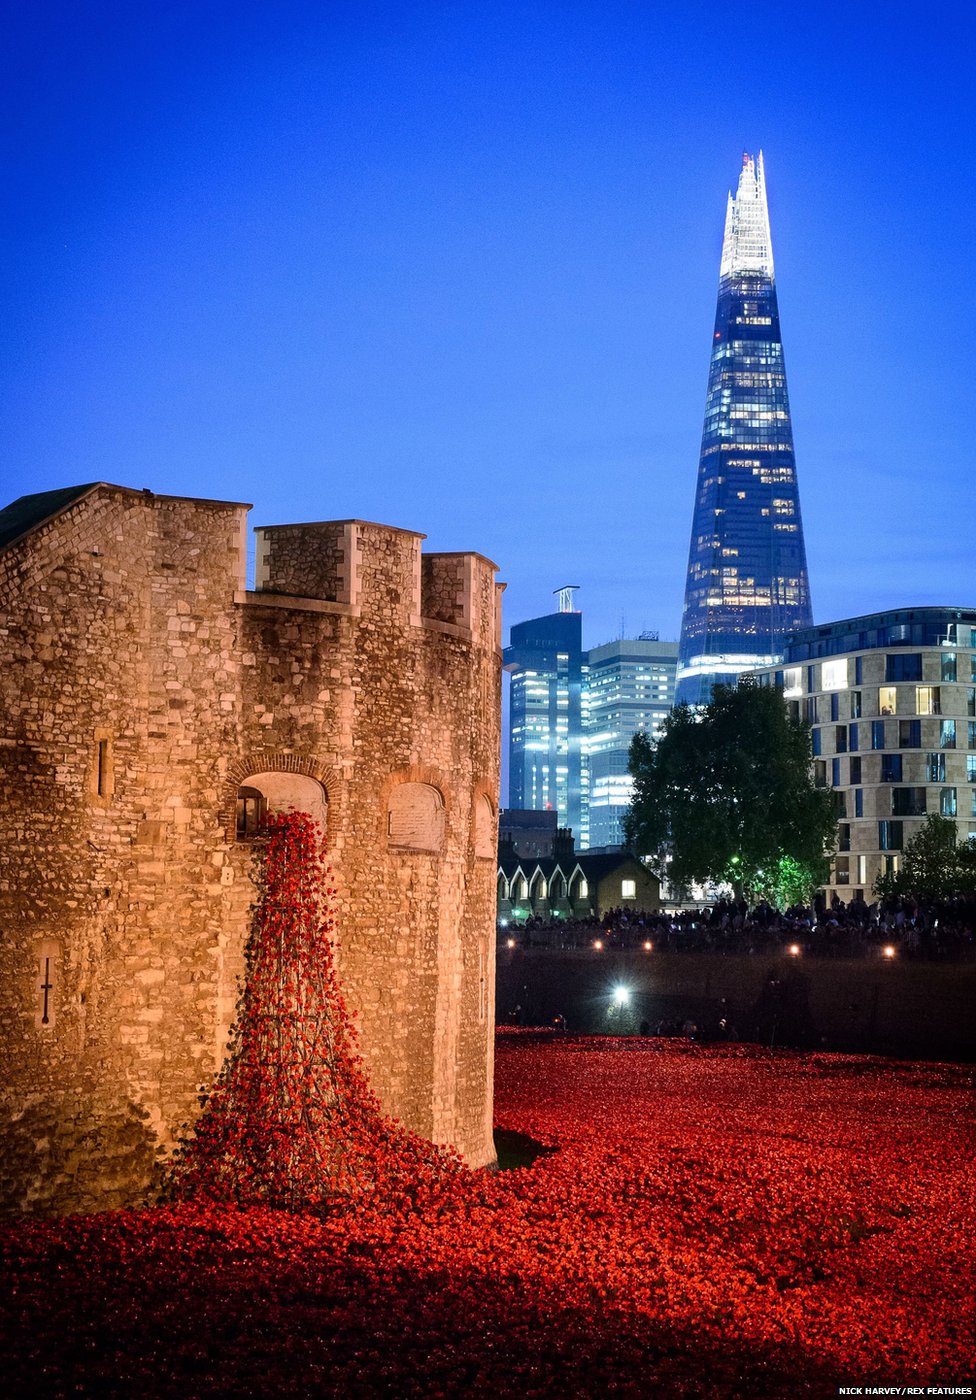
x=572, y=716
x=546, y=753
x=747, y=585
x=629, y=686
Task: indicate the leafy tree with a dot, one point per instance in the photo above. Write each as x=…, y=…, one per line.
x=726, y=794
x=934, y=865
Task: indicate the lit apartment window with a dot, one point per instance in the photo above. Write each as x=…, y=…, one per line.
x=862, y=870
x=834, y=674
x=842, y=871
x=628, y=889
x=928, y=700
x=887, y=700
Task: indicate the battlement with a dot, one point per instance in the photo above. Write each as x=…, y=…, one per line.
x=372, y=568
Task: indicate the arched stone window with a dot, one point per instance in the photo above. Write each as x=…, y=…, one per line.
x=278, y=792
x=502, y=885
x=251, y=808
x=484, y=828
x=415, y=818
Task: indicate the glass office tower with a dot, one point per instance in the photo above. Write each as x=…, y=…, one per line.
x=546, y=752
x=629, y=687
x=747, y=583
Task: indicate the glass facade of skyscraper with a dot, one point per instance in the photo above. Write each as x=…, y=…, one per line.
x=629, y=686
x=747, y=584
x=546, y=757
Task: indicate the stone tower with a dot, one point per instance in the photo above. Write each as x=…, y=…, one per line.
x=151, y=708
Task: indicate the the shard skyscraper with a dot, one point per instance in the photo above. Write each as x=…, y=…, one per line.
x=747, y=573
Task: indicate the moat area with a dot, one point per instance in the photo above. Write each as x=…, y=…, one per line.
x=911, y=1009
x=721, y=1221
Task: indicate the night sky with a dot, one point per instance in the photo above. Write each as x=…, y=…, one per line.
x=454, y=268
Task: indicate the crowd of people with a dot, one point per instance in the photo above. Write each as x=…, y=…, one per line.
x=936, y=930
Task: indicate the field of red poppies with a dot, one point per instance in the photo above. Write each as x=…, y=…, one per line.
x=712, y=1221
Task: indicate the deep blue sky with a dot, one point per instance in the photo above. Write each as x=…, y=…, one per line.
x=454, y=268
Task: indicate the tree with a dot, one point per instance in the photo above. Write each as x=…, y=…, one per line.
x=934, y=866
x=726, y=793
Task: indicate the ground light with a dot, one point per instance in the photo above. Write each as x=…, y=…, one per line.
x=887, y=951
x=598, y=944
x=510, y=943
x=794, y=950
x=648, y=945
x=621, y=996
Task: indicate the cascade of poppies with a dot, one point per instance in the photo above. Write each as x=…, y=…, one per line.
x=291, y=1120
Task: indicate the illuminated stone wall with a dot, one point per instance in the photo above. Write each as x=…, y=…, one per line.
x=143, y=688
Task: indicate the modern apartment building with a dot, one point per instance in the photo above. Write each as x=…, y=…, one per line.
x=891, y=699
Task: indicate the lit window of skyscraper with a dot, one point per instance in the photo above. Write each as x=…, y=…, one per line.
x=747, y=585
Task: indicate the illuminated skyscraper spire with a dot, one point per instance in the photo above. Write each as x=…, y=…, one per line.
x=747, y=245
x=747, y=581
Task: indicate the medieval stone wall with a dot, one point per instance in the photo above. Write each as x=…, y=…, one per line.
x=144, y=687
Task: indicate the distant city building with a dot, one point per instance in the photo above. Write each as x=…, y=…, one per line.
x=629, y=686
x=572, y=717
x=892, y=701
x=527, y=834
x=747, y=585
x=546, y=758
